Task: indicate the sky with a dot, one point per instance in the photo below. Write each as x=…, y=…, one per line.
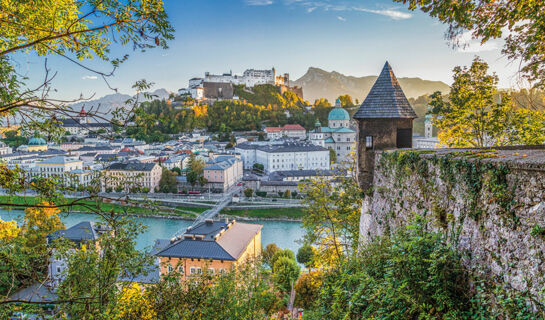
x=353, y=37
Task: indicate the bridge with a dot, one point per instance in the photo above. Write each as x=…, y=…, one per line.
x=211, y=213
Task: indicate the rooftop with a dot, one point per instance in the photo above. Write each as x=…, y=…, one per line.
x=386, y=99
x=132, y=166
x=215, y=240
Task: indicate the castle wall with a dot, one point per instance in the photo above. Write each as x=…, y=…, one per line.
x=489, y=204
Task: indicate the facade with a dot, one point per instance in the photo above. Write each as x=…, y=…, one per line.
x=285, y=156
x=294, y=131
x=211, y=246
x=126, y=176
x=385, y=121
x=4, y=149
x=250, y=78
x=223, y=172
x=69, y=169
x=338, y=135
x=428, y=141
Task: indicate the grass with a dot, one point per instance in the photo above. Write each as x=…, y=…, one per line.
x=93, y=206
x=292, y=213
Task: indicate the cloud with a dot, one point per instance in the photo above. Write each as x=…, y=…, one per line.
x=89, y=77
x=309, y=10
x=259, y=2
x=467, y=44
x=341, y=18
x=390, y=13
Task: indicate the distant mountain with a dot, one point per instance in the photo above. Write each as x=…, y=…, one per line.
x=318, y=83
x=110, y=102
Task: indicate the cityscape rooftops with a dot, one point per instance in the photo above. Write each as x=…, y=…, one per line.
x=132, y=166
x=286, y=146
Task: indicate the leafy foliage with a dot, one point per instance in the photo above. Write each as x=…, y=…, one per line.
x=473, y=118
x=520, y=23
x=168, y=183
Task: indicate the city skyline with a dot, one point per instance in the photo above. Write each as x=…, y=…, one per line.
x=351, y=37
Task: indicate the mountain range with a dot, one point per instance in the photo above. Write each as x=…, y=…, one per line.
x=114, y=101
x=318, y=83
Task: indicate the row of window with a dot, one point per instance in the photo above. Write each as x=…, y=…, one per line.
x=194, y=270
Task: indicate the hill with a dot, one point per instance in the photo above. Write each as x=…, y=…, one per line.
x=318, y=83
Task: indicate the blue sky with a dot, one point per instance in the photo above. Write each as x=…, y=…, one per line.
x=352, y=37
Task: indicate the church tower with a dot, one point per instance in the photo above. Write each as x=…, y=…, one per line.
x=385, y=121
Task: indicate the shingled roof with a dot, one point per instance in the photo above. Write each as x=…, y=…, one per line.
x=386, y=99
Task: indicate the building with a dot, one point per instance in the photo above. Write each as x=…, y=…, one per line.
x=294, y=131
x=4, y=148
x=69, y=169
x=250, y=78
x=132, y=175
x=34, y=144
x=80, y=234
x=284, y=156
x=338, y=135
x=223, y=172
x=385, y=121
x=218, y=90
x=195, y=89
x=211, y=246
x=81, y=126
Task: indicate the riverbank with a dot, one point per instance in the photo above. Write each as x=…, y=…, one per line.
x=160, y=211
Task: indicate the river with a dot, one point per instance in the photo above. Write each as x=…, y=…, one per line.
x=284, y=234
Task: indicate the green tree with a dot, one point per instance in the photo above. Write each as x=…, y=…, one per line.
x=332, y=214
x=285, y=273
x=279, y=254
x=270, y=250
x=520, y=23
x=473, y=117
x=168, y=183
x=307, y=289
x=177, y=170
x=248, y=192
x=332, y=156
x=195, y=171
x=305, y=255
x=258, y=167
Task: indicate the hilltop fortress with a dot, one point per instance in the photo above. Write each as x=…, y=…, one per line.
x=220, y=86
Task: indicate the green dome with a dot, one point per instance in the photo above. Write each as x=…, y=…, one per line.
x=338, y=114
x=36, y=141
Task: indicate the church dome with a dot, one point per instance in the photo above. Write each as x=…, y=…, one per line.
x=338, y=114
x=36, y=141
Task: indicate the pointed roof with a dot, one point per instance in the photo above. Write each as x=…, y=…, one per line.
x=386, y=99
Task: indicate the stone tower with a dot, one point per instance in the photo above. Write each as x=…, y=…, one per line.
x=385, y=121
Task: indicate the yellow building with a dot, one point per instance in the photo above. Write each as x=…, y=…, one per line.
x=213, y=245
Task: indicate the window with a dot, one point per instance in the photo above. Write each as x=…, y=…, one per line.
x=211, y=270
x=170, y=269
x=369, y=142
x=181, y=269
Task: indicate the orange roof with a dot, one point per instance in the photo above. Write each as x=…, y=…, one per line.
x=273, y=129
x=293, y=127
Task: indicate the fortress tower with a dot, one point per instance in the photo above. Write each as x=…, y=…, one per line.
x=385, y=121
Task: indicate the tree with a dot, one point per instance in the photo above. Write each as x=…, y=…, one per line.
x=258, y=167
x=346, y=101
x=40, y=222
x=285, y=273
x=177, y=170
x=305, y=255
x=332, y=156
x=270, y=250
x=287, y=194
x=195, y=171
x=168, y=183
x=280, y=254
x=248, y=192
x=520, y=23
x=473, y=117
x=307, y=290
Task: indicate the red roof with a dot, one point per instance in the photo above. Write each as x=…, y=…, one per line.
x=293, y=127
x=287, y=127
x=273, y=129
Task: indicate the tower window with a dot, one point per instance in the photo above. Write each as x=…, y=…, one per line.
x=369, y=142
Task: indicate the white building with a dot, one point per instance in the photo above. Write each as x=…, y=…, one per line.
x=4, y=149
x=69, y=169
x=195, y=89
x=338, y=135
x=294, y=131
x=285, y=156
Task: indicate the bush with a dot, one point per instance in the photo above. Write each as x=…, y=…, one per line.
x=414, y=274
x=248, y=192
x=270, y=250
x=262, y=194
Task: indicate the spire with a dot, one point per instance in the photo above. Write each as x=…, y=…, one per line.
x=386, y=99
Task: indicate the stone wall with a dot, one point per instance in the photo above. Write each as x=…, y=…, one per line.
x=490, y=204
